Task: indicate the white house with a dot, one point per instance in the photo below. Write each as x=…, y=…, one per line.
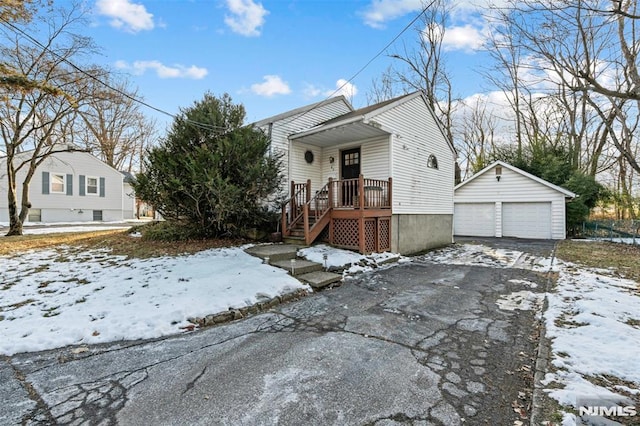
x=378, y=178
x=71, y=187
x=504, y=201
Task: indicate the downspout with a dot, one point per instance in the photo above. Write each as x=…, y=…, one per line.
x=269, y=135
x=391, y=175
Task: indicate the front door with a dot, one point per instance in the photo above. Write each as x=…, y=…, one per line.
x=350, y=169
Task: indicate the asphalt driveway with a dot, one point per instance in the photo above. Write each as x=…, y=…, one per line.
x=430, y=341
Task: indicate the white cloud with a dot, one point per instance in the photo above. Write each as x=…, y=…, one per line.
x=132, y=17
x=464, y=37
x=343, y=87
x=272, y=85
x=311, y=91
x=381, y=11
x=247, y=17
x=163, y=71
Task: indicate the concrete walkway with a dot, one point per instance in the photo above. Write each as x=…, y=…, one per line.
x=285, y=256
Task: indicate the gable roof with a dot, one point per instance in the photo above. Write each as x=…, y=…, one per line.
x=300, y=110
x=78, y=152
x=362, y=112
x=541, y=181
x=363, y=119
x=127, y=177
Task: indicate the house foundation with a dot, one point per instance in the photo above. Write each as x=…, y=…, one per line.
x=413, y=233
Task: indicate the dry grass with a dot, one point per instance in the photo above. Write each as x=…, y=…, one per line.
x=118, y=241
x=625, y=258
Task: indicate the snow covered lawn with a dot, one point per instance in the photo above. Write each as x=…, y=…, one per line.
x=593, y=321
x=53, y=298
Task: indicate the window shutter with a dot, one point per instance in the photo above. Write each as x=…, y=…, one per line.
x=82, y=187
x=102, y=187
x=69, y=184
x=45, y=182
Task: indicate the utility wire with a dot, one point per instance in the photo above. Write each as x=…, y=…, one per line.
x=377, y=55
x=204, y=126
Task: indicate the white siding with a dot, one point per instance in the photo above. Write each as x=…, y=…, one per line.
x=375, y=159
x=60, y=207
x=288, y=125
x=301, y=170
x=418, y=189
x=513, y=187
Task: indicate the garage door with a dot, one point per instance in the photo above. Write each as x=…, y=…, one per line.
x=526, y=220
x=474, y=220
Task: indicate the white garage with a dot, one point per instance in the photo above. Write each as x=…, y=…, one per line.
x=504, y=201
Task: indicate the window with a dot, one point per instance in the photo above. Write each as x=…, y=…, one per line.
x=57, y=183
x=432, y=162
x=35, y=215
x=97, y=215
x=352, y=159
x=92, y=185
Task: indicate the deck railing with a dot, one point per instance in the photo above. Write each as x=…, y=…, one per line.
x=312, y=212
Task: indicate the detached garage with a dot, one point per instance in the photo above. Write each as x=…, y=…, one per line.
x=504, y=201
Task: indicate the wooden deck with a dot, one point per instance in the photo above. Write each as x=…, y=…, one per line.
x=348, y=213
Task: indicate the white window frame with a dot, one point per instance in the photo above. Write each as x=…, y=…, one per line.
x=64, y=183
x=86, y=186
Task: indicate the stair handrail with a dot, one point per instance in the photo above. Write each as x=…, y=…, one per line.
x=322, y=202
x=296, y=209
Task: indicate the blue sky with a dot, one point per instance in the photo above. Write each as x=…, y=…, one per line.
x=270, y=55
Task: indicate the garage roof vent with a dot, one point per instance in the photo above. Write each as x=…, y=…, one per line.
x=498, y=173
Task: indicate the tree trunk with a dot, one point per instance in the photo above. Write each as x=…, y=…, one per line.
x=15, y=224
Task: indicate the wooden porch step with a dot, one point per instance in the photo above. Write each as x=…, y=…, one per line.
x=320, y=279
x=300, y=266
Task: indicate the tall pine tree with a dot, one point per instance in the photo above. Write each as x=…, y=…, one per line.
x=211, y=172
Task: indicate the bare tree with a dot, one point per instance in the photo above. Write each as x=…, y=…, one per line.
x=591, y=47
x=32, y=122
x=478, y=136
x=115, y=130
x=423, y=66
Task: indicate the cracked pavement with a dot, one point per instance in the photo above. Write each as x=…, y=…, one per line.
x=419, y=343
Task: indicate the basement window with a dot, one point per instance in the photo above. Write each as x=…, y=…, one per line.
x=35, y=215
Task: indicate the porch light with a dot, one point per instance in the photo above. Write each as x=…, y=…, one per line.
x=332, y=160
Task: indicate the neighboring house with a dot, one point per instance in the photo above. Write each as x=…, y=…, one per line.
x=128, y=196
x=504, y=201
x=374, y=179
x=70, y=187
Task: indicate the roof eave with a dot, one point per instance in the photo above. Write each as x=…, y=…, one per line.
x=326, y=127
x=566, y=192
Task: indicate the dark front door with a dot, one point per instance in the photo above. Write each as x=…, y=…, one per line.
x=350, y=169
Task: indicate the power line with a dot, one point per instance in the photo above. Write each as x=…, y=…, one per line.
x=376, y=56
x=204, y=126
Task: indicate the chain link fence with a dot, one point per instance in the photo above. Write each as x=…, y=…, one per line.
x=621, y=231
